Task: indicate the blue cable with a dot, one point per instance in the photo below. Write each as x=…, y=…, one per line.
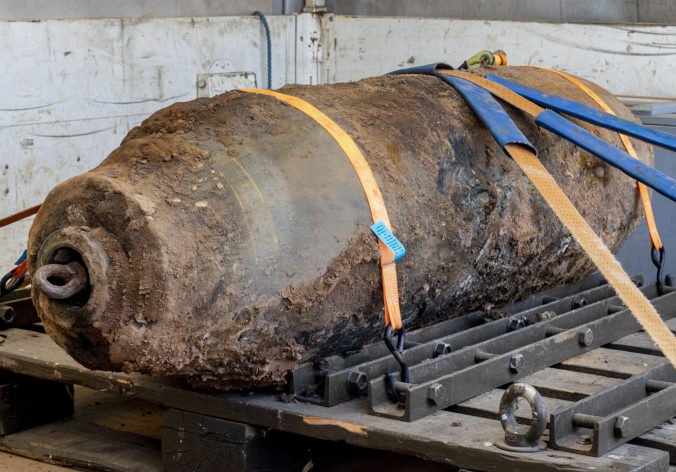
x=268, y=44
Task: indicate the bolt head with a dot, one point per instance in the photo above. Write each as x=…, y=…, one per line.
x=516, y=323
x=441, y=349
x=357, y=381
x=622, y=425
x=579, y=302
x=599, y=171
x=435, y=393
x=516, y=362
x=586, y=338
x=202, y=83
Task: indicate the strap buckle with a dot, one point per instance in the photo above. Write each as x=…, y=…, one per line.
x=393, y=244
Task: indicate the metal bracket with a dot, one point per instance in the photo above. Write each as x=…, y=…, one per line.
x=602, y=422
x=326, y=381
x=507, y=358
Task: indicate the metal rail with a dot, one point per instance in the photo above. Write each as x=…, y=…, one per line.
x=601, y=422
x=443, y=382
x=337, y=379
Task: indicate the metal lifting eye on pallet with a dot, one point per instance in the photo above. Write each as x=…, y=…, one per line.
x=515, y=440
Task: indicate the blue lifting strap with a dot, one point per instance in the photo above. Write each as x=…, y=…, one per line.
x=588, y=114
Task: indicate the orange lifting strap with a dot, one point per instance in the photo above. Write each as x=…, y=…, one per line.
x=375, y=199
x=8, y=220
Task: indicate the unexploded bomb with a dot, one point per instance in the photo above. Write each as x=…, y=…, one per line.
x=227, y=240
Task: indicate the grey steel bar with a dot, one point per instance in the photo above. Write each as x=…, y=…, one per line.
x=599, y=423
x=326, y=382
x=334, y=382
x=521, y=353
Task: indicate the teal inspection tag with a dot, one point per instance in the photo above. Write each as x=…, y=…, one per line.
x=386, y=236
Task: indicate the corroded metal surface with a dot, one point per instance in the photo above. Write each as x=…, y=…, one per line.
x=227, y=240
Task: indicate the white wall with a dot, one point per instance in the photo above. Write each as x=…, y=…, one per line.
x=634, y=60
x=60, y=9
x=71, y=89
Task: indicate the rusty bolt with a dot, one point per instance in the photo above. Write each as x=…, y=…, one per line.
x=357, y=381
x=440, y=349
x=435, y=393
x=586, y=337
x=622, y=425
x=516, y=362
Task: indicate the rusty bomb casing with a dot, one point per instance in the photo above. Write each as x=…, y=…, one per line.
x=227, y=240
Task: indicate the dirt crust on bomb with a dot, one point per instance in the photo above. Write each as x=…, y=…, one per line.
x=227, y=240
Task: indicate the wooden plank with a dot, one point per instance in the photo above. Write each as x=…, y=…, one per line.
x=15, y=463
x=612, y=363
x=637, y=342
x=450, y=438
x=568, y=385
x=192, y=442
x=641, y=342
x=662, y=437
x=78, y=444
x=119, y=412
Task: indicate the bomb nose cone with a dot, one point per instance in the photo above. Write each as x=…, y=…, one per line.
x=61, y=281
x=70, y=276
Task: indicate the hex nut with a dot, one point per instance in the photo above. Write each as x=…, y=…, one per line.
x=357, y=381
x=579, y=302
x=441, y=349
x=7, y=314
x=622, y=425
x=516, y=323
x=516, y=362
x=435, y=393
x=586, y=337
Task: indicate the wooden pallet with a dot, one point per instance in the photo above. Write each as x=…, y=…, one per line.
x=259, y=431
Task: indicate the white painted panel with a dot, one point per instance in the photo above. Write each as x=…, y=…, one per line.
x=37, y=157
x=210, y=85
x=633, y=60
x=64, y=70
x=58, y=70
x=70, y=90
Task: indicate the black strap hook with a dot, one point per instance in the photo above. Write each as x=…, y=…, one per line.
x=658, y=256
x=397, y=353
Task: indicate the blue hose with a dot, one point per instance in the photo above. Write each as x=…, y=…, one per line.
x=268, y=43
